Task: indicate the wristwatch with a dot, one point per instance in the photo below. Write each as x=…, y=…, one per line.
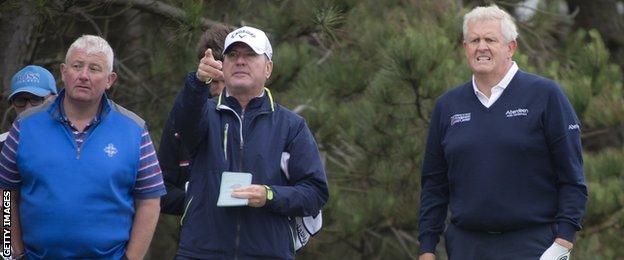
x=269, y=192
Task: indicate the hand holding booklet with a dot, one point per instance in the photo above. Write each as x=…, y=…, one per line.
x=229, y=182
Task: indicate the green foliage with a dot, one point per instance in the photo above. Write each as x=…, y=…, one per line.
x=365, y=75
x=389, y=70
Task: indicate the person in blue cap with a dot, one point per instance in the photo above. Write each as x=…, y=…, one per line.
x=30, y=87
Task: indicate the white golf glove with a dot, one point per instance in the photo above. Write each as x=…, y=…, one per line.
x=556, y=252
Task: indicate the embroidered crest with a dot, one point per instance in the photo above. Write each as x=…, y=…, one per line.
x=458, y=118
x=110, y=150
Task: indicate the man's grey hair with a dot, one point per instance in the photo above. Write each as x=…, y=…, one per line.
x=492, y=12
x=92, y=44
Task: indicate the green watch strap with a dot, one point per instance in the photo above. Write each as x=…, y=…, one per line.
x=269, y=192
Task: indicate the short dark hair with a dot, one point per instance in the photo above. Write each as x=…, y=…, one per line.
x=213, y=38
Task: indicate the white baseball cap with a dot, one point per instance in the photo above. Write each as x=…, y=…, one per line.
x=254, y=38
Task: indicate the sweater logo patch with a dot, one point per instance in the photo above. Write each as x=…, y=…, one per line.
x=110, y=150
x=517, y=112
x=458, y=118
x=574, y=127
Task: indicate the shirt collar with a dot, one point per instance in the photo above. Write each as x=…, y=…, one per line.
x=64, y=118
x=227, y=94
x=503, y=83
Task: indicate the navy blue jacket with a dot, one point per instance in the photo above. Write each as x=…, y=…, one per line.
x=513, y=165
x=221, y=137
x=175, y=164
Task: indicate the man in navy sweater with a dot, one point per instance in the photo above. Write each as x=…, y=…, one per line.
x=504, y=154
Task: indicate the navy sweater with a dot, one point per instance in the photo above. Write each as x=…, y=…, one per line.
x=510, y=166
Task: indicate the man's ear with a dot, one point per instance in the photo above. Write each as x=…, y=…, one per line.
x=111, y=79
x=269, y=69
x=512, y=45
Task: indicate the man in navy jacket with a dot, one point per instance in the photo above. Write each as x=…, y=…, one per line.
x=244, y=130
x=504, y=154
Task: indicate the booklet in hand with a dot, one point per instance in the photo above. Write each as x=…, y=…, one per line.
x=229, y=182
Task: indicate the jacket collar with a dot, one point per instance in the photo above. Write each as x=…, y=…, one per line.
x=262, y=103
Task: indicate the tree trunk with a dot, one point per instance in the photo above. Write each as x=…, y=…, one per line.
x=16, y=36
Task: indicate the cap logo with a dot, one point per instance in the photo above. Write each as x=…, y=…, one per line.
x=30, y=77
x=242, y=34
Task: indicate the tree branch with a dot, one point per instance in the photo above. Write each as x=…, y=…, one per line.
x=160, y=8
x=404, y=246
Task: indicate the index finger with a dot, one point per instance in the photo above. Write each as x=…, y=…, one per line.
x=208, y=53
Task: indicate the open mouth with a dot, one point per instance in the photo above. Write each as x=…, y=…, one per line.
x=483, y=58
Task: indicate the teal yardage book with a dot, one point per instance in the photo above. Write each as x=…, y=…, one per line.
x=229, y=182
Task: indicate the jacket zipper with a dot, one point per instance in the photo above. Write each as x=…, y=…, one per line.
x=242, y=142
x=185, y=210
x=240, y=132
x=238, y=228
x=240, y=168
x=225, y=139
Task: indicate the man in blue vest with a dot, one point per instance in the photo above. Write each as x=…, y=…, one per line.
x=244, y=134
x=82, y=172
x=504, y=155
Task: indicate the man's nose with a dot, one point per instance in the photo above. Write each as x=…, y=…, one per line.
x=482, y=45
x=83, y=73
x=240, y=59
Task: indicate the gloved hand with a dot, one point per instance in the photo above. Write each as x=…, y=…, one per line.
x=556, y=252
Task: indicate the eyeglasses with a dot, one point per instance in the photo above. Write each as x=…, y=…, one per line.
x=21, y=101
